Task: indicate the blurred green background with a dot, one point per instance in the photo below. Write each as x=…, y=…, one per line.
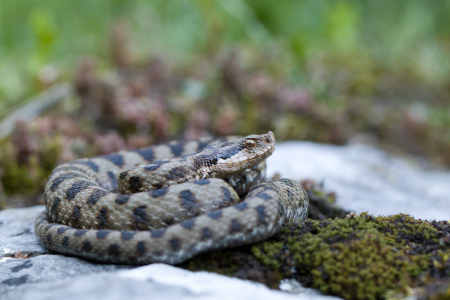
x=147, y=72
x=405, y=38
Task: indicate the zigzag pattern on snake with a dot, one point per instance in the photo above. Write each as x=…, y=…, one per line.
x=168, y=210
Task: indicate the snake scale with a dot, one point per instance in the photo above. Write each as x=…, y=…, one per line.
x=167, y=203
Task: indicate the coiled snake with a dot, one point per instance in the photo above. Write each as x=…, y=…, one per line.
x=168, y=210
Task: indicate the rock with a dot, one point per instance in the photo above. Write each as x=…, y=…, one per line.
x=157, y=280
x=52, y=276
x=366, y=179
x=19, y=277
x=17, y=232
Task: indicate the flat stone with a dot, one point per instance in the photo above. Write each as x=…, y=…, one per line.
x=17, y=232
x=52, y=276
x=58, y=277
x=366, y=179
x=20, y=277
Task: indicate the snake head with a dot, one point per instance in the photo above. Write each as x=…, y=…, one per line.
x=221, y=160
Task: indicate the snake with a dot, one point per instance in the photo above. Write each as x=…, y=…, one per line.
x=167, y=203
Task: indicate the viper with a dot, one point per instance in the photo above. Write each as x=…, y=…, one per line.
x=167, y=203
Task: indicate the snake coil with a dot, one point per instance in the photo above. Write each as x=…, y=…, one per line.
x=167, y=203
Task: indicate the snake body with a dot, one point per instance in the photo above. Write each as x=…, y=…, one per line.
x=167, y=203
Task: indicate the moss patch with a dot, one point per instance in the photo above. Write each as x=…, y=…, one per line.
x=357, y=258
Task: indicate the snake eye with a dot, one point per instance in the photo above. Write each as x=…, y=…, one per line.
x=250, y=144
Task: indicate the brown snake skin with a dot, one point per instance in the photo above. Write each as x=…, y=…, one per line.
x=168, y=210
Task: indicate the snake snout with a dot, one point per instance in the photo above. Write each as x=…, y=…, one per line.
x=270, y=138
x=268, y=142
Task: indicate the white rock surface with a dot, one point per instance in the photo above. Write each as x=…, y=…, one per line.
x=364, y=178
x=51, y=276
x=57, y=277
x=17, y=231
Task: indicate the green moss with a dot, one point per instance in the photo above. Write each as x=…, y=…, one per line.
x=356, y=258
